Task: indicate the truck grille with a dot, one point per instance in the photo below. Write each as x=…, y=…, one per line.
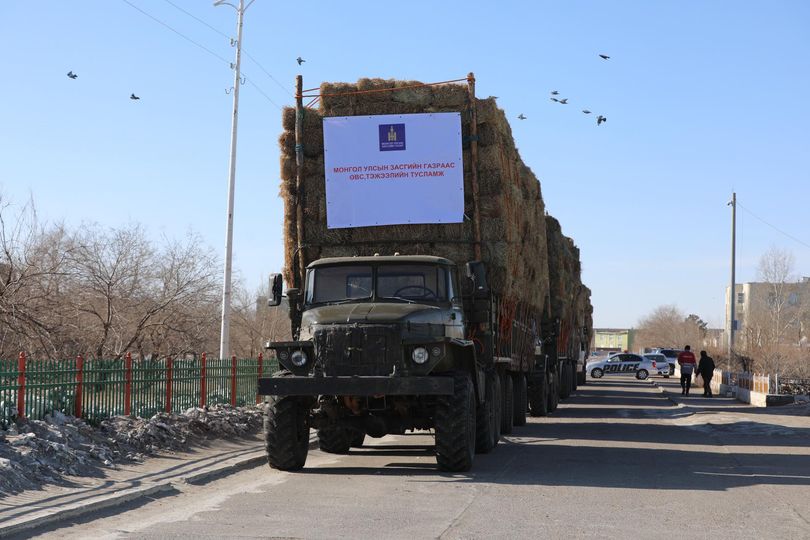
x=362, y=350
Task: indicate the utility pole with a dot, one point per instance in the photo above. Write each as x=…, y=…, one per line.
x=732, y=292
x=224, y=340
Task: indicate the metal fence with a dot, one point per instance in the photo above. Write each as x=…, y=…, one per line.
x=96, y=389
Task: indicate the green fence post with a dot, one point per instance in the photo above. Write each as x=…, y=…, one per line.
x=203, y=387
x=233, y=381
x=169, y=366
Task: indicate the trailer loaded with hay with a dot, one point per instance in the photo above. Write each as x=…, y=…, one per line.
x=417, y=270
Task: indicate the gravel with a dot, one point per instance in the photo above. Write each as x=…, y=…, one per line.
x=34, y=453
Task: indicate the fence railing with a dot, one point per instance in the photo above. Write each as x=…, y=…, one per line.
x=95, y=389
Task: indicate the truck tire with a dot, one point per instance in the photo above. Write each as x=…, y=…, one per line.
x=488, y=419
x=455, y=426
x=538, y=397
x=553, y=392
x=286, y=433
x=574, y=378
x=358, y=438
x=581, y=377
x=519, y=386
x=565, y=380
x=507, y=404
x=335, y=440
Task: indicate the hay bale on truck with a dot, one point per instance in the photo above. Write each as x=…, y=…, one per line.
x=567, y=325
x=439, y=330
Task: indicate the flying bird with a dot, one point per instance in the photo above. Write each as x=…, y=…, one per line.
x=604, y=57
x=586, y=111
x=300, y=60
x=133, y=96
x=555, y=100
x=600, y=119
x=564, y=101
x=521, y=117
x=554, y=93
x=72, y=75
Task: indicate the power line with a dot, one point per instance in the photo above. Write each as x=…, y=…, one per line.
x=774, y=227
x=218, y=31
x=223, y=34
x=201, y=46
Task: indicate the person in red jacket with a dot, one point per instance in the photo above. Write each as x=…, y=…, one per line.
x=688, y=363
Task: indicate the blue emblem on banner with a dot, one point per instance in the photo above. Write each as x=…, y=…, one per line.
x=392, y=137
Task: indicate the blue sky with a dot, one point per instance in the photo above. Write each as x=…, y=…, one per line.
x=702, y=98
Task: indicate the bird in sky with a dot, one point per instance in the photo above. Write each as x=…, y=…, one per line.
x=521, y=117
x=586, y=111
x=133, y=97
x=72, y=75
x=555, y=100
x=300, y=60
x=600, y=119
x=604, y=57
x=564, y=101
x=554, y=93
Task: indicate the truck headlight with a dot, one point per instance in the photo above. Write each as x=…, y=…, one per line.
x=419, y=355
x=298, y=358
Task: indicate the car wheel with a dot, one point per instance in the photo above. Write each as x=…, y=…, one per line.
x=597, y=373
x=642, y=374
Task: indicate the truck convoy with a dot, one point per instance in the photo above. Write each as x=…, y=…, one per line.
x=460, y=328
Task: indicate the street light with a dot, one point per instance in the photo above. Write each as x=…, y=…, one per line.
x=224, y=339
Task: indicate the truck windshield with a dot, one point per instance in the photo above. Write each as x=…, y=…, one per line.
x=416, y=282
x=337, y=283
x=407, y=282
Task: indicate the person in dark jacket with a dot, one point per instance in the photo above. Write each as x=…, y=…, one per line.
x=706, y=370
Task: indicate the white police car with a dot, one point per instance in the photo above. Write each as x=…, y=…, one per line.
x=626, y=364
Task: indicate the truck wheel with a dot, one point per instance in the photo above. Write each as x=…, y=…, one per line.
x=538, y=397
x=519, y=386
x=488, y=417
x=507, y=404
x=565, y=381
x=286, y=433
x=358, y=438
x=553, y=392
x=581, y=378
x=455, y=426
x=574, y=379
x=335, y=440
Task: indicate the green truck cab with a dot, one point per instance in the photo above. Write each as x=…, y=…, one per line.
x=383, y=344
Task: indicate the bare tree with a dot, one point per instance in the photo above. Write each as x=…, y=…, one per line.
x=776, y=271
x=667, y=326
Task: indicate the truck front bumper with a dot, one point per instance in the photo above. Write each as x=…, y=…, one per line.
x=356, y=386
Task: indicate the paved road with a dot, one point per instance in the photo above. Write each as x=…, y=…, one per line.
x=620, y=459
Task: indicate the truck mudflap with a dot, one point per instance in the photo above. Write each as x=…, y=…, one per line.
x=356, y=386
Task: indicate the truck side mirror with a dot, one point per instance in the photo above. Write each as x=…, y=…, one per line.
x=477, y=273
x=276, y=284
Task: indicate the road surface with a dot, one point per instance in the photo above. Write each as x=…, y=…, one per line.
x=619, y=459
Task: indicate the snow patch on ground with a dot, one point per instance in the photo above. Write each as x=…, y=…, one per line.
x=38, y=452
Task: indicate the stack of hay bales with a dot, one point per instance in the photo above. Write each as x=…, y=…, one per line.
x=570, y=299
x=513, y=229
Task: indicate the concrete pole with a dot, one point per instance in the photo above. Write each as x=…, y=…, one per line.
x=224, y=341
x=733, y=292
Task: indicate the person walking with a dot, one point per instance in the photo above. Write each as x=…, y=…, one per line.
x=706, y=370
x=687, y=361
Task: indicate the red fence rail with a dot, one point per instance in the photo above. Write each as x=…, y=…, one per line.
x=96, y=389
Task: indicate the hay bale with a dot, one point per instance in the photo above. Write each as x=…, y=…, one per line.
x=513, y=225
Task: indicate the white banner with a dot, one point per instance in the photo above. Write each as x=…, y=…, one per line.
x=393, y=169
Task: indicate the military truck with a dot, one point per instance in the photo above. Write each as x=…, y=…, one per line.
x=387, y=344
x=414, y=325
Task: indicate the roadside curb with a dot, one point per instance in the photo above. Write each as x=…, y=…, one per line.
x=52, y=516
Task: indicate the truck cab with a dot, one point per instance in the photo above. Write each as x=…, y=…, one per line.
x=379, y=348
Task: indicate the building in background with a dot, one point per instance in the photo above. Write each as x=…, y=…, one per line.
x=758, y=306
x=612, y=339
